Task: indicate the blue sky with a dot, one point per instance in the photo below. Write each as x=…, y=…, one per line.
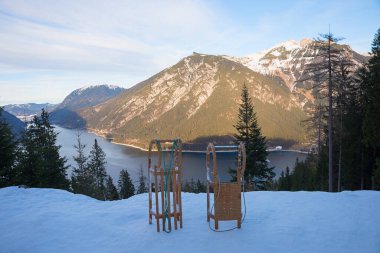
x=49, y=48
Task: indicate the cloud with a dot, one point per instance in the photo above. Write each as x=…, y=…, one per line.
x=69, y=43
x=94, y=35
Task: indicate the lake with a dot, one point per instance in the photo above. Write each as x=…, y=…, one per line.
x=193, y=164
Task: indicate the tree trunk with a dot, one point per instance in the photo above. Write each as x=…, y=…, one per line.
x=330, y=124
x=340, y=152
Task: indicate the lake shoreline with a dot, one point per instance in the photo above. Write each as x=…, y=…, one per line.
x=123, y=156
x=203, y=152
x=93, y=131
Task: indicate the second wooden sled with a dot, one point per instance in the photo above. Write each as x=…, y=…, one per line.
x=227, y=196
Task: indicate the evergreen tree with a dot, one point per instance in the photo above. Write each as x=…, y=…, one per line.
x=40, y=162
x=96, y=164
x=187, y=187
x=371, y=127
x=126, y=187
x=257, y=171
x=371, y=121
x=8, y=151
x=142, y=183
x=111, y=191
x=322, y=70
x=200, y=187
x=303, y=176
x=284, y=182
x=376, y=176
x=82, y=180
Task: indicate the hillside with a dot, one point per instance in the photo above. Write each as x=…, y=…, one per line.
x=199, y=96
x=288, y=61
x=65, y=114
x=89, y=96
x=17, y=126
x=21, y=110
x=48, y=220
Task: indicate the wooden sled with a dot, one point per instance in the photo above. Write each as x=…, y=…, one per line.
x=165, y=180
x=227, y=196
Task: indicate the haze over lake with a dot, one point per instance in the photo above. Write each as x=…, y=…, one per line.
x=124, y=157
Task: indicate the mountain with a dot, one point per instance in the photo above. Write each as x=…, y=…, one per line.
x=23, y=110
x=197, y=97
x=288, y=60
x=17, y=126
x=89, y=96
x=65, y=113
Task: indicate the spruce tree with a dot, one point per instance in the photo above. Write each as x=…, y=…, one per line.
x=187, y=186
x=82, y=180
x=111, y=191
x=376, y=176
x=200, y=187
x=40, y=163
x=126, y=187
x=96, y=164
x=371, y=127
x=8, y=151
x=257, y=172
x=325, y=70
x=284, y=182
x=371, y=121
x=142, y=183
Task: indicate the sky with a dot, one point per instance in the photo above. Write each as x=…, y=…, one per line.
x=50, y=48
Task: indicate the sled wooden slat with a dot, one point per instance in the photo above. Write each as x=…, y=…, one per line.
x=227, y=196
x=172, y=193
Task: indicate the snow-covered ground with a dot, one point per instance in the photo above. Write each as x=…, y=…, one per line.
x=48, y=220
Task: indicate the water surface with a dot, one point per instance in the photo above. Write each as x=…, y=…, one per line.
x=193, y=164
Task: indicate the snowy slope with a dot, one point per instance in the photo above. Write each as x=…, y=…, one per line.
x=47, y=220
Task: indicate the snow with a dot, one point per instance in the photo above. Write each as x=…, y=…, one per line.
x=87, y=87
x=48, y=220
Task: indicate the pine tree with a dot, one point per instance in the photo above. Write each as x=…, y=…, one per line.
x=40, y=163
x=187, y=186
x=371, y=121
x=126, y=187
x=284, y=182
x=327, y=69
x=142, y=182
x=257, y=171
x=8, y=154
x=200, y=187
x=96, y=164
x=82, y=180
x=111, y=191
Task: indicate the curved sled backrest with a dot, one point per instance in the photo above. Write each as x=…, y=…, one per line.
x=241, y=162
x=211, y=151
x=159, y=150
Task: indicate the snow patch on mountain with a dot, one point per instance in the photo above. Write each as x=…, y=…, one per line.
x=88, y=87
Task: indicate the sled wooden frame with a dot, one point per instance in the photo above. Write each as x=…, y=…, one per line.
x=227, y=196
x=157, y=173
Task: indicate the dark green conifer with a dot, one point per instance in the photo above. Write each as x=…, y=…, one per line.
x=142, y=182
x=8, y=151
x=126, y=187
x=258, y=174
x=111, y=191
x=40, y=162
x=82, y=180
x=96, y=164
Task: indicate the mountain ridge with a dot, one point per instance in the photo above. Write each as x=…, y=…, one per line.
x=65, y=114
x=200, y=94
